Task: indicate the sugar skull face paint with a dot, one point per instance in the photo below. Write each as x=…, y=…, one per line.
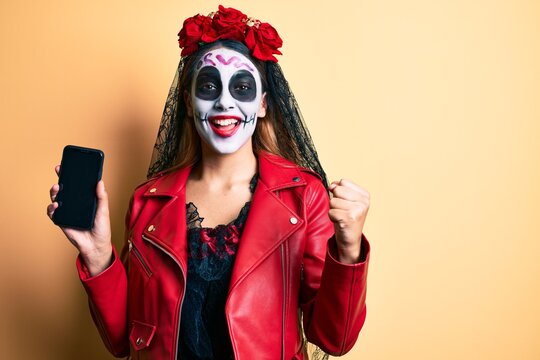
x=226, y=96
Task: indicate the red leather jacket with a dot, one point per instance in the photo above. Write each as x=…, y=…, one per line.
x=285, y=263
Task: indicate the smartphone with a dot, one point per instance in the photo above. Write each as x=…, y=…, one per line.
x=80, y=171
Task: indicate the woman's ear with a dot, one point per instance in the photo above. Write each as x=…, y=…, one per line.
x=187, y=101
x=262, y=108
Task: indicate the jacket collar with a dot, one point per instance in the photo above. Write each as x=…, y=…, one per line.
x=274, y=171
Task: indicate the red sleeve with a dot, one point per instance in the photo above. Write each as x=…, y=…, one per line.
x=107, y=297
x=333, y=294
x=108, y=292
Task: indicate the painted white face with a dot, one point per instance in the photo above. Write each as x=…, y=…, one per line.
x=226, y=96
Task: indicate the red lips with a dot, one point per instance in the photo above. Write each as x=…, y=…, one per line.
x=221, y=126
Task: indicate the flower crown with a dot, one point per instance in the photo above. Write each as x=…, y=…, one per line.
x=227, y=23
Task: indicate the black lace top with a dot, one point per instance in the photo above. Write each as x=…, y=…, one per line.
x=211, y=251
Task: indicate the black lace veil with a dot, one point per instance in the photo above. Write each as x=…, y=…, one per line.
x=165, y=151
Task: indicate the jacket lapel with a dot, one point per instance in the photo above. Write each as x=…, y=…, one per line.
x=167, y=228
x=269, y=221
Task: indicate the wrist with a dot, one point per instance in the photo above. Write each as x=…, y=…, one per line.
x=349, y=254
x=98, y=260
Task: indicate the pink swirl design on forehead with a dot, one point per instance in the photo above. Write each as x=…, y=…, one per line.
x=234, y=61
x=207, y=59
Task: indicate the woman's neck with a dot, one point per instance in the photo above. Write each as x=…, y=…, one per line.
x=226, y=170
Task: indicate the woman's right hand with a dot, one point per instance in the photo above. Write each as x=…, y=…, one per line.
x=94, y=245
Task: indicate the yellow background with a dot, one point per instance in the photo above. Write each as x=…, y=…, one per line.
x=432, y=106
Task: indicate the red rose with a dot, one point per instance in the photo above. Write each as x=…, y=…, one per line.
x=226, y=17
x=263, y=41
x=190, y=34
x=230, y=23
x=196, y=29
x=209, y=32
x=234, y=32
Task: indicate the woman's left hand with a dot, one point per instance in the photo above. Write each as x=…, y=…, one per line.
x=348, y=210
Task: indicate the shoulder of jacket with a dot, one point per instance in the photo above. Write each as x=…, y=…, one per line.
x=314, y=190
x=308, y=174
x=142, y=187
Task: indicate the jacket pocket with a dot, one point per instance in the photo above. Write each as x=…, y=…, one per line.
x=141, y=335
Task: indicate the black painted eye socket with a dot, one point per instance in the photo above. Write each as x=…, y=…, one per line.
x=208, y=84
x=243, y=86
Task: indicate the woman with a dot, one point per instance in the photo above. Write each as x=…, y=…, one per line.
x=233, y=247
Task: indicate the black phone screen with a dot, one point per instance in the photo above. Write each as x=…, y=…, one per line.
x=80, y=172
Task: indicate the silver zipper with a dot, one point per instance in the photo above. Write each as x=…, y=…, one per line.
x=183, y=295
x=284, y=300
x=135, y=251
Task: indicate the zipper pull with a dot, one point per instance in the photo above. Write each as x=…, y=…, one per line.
x=130, y=245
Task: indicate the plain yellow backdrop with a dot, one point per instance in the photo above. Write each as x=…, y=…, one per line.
x=432, y=106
